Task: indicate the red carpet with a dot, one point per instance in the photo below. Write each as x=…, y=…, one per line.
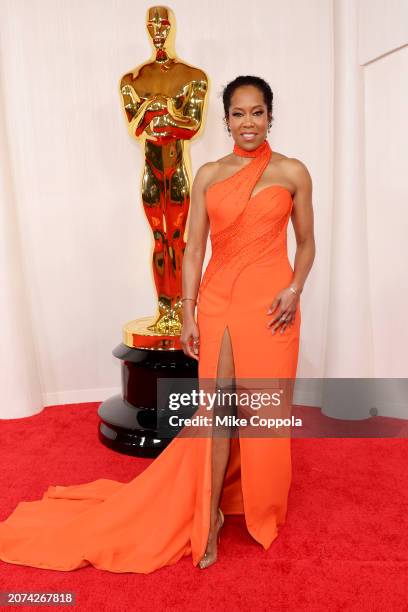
x=344, y=545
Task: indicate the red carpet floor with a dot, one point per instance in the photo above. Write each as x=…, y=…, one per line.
x=344, y=545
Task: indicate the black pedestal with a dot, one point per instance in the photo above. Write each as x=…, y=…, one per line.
x=129, y=421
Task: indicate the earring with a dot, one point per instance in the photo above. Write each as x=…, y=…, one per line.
x=227, y=127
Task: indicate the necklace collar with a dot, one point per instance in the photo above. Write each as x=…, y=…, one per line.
x=254, y=153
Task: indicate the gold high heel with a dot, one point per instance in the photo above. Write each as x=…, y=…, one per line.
x=208, y=559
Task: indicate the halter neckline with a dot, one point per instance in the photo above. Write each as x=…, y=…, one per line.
x=254, y=153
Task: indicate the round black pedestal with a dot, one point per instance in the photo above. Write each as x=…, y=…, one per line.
x=129, y=421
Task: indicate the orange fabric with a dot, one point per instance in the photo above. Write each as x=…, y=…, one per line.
x=163, y=514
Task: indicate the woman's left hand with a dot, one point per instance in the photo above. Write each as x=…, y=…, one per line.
x=287, y=302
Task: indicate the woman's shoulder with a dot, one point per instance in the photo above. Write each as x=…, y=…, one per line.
x=292, y=165
x=295, y=171
x=213, y=166
x=211, y=170
x=285, y=159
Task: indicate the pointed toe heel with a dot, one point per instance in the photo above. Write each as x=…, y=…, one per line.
x=210, y=558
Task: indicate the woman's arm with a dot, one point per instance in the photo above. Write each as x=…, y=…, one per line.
x=194, y=253
x=197, y=234
x=302, y=220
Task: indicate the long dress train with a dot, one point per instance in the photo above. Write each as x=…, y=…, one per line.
x=164, y=513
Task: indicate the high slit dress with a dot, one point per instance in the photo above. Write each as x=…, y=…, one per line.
x=163, y=514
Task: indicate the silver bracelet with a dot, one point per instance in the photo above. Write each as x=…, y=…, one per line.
x=295, y=291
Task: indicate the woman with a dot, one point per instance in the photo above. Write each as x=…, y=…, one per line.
x=247, y=203
x=170, y=510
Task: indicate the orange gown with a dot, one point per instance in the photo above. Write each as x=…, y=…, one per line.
x=163, y=514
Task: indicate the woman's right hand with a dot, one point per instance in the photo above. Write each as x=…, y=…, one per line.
x=190, y=338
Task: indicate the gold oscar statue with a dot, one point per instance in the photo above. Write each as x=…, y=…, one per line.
x=164, y=100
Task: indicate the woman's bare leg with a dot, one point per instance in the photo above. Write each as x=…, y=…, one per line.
x=221, y=441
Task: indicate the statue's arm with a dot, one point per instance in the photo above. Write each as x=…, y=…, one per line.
x=133, y=106
x=189, y=114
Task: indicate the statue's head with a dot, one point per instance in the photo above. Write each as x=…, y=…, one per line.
x=159, y=21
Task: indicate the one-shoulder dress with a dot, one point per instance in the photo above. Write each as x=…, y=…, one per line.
x=163, y=514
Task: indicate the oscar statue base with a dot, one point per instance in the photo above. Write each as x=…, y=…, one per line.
x=159, y=333
x=129, y=421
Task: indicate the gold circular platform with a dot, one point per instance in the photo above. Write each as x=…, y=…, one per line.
x=136, y=334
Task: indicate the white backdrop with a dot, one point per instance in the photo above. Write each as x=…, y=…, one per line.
x=75, y=244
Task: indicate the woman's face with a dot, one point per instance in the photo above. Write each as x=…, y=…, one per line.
x=248, y=117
